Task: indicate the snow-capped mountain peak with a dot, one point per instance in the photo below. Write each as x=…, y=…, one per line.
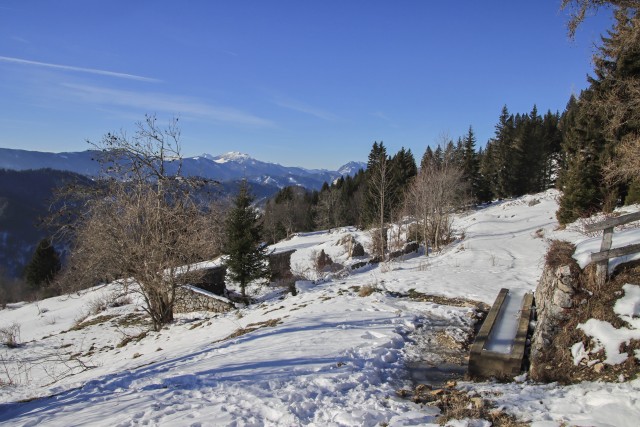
x=232, y=156
x=351, y=168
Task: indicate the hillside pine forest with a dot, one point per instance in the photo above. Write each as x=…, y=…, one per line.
x=590, y=152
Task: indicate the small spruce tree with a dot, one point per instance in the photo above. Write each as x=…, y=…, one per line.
x=43, y=267
x=246, y=253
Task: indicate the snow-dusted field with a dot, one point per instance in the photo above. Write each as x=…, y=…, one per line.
x=324, y=357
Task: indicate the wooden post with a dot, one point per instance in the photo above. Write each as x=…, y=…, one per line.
x=602, y=267
x=602, y=258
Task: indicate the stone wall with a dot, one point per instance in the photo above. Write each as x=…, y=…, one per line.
x=189, y=300
x=554, y=303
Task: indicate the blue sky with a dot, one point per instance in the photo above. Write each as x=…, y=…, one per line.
x=301, y=83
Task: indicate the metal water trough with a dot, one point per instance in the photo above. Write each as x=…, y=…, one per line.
x=486, y=363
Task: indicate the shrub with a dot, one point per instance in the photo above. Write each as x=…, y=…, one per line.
x=10, y=335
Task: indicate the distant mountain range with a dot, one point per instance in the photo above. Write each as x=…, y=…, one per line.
x=28, y=180
x=226, y=167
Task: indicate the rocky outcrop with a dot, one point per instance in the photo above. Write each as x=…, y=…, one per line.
x=554, y=299
x=407, y=249
x=280, y=267
x=353, y=247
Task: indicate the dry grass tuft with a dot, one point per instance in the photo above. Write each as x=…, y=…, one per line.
x=132, y=338
x=455, y=302
x=95, y=321
x=560, y=253
x=367, y=290
x=455, y=404
x=253, y=327
x=10, y=335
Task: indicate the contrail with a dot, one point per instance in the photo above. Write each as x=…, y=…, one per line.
x=78, y=69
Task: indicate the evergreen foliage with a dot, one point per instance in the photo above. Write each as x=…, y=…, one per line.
x=43, y=267
x=633, y=195
x=601, y=128
x=428, y=158
x=246, y=254
x=522, y=157
x=581, y=178
x=470, y=165
x=403, y=166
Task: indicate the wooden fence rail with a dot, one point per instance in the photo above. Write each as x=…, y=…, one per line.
x=606, y=253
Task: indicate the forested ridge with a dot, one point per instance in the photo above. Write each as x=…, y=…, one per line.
x=590, y=151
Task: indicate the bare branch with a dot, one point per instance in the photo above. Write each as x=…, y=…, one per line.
x=144, y=223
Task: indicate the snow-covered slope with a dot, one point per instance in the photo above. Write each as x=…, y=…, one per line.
x=326, y=357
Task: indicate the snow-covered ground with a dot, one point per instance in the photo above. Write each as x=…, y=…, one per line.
x=327, y=356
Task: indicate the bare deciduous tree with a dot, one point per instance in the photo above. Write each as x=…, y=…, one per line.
x=142, y=224
x=328, y=209
x=379, y=185
x=432, y=198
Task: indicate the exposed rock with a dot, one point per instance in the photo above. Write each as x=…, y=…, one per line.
x=358, y=250
x=407, y=249
x=280, y=267
x=353, y=247
x=554, y=300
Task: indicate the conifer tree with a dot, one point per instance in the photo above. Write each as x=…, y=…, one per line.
x=428, y=158
x=616, y=87
x=552, y=141
x=404, y=168
x=246, y=255
x=470, y=165
x=583, y=143
x=602, y=131
x=438, y=155
x=503, y=152
x=533, y=155
x=484, y=191
x=450, y=155
x=43, y=267
x=581, y=192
